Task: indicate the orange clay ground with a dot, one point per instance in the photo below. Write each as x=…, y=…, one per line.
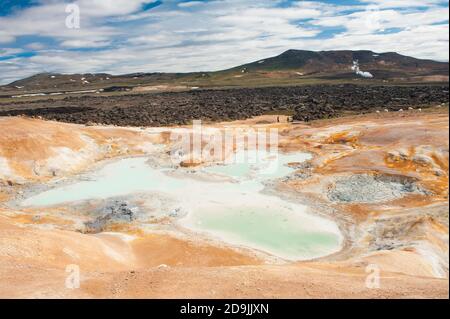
x=406, y=238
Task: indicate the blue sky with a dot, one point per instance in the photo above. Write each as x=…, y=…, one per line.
x=124, y=36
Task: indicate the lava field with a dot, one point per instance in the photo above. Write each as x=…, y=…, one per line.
x=305, y=103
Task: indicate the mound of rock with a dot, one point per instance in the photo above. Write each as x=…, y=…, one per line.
x=313, y=109
x=366, y=188
x=117, y=212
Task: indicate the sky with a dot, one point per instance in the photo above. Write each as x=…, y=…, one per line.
x=126, y=36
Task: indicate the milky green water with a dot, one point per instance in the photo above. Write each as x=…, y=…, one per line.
x=236, y=212
x=259, y=166
x=276, y=231
x=118, y=178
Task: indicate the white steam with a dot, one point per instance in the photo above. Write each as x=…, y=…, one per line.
x=357, y=70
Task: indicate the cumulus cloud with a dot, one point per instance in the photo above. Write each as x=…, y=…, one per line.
x=190, y=4
x=119, y=36
x=403, y=3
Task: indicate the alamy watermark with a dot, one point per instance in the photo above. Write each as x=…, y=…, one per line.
x=373, y=277
x=227, y=145
x=73, y=277
x=73, y=17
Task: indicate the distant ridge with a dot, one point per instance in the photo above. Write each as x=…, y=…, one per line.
x=292, y=66
x=340, y=62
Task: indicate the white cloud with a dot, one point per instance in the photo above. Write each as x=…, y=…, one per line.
x=5, y=37
x=35, y=46
x=9, y=51
x=403, y=3
x=190, y=4
x=49, y=21
x=195, y=35
x=84, y=44
x=370, y=21
x=107, y=8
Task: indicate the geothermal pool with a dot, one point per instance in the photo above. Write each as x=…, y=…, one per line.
x=229, y=205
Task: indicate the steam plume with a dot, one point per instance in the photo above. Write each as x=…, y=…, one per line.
x=357, y=70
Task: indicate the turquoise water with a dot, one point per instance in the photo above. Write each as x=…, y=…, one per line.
x=233, y=170
x=276, y=231
x=260, y=165
x=119, y=178
x=236, y=212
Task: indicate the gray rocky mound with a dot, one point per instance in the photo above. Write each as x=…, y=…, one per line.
x=115, y=212
x=365, y=188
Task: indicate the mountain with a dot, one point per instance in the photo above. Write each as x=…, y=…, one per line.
x=289, y=68
x=339, y=64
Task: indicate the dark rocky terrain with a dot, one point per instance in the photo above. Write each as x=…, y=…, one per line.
x=159, y=109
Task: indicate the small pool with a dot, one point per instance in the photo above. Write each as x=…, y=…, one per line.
x=282, y=232
x=235, y=212
x=119, y=178
x=259, y=165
